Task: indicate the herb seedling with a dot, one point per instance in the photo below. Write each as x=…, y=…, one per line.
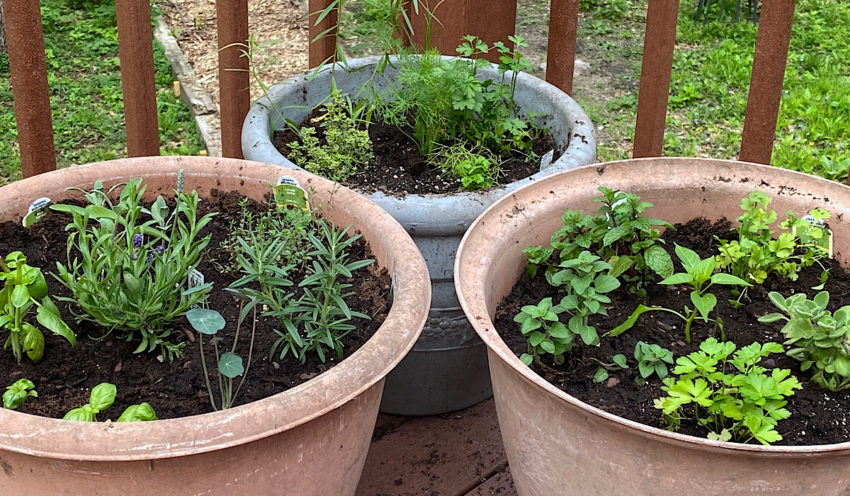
x=132, y=274
x=102, y=397
x=820, y=339
x=18, y=393
x=742, y=405
x=229, y=364
x=652, y=359
x=618, y=362
x=24, y=286
x=699, y=275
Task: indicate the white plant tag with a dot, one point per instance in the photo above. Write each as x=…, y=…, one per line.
x=196, y=278
x=289, y=193
x=36, y=212
x=546, y=160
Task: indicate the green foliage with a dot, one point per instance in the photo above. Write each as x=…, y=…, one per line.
x=24, y=286
x=618, y=234
x=102, y=396
x=652, y=359
x=229, y=364
x=132, y=272
x=441, y=102
x=346, y=148
x=475, y=170
x=699, y=275
x=585, y=281
x=732, y=398
x=618, y=362
x=756, y=254
x=820, y=339
x=18, y=393
x=81, y=48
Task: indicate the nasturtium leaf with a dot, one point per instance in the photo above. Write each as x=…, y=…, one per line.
x=205, y=321
x=230, y=365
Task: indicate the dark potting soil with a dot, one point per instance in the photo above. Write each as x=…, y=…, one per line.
x=65, y=376
x=817, y=416
x=398, y=168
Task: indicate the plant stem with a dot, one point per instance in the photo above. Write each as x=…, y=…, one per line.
x=206, y=374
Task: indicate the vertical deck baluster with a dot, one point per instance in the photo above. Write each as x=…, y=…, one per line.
x=656, y=69
x=323, y=49
x=233, y=76
x=28, y=67
x=774, y=36
x=561, y=49
x=138, y=83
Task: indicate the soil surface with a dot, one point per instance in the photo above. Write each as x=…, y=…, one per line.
x=817, y=416
x=398, y=168
x=65, y=376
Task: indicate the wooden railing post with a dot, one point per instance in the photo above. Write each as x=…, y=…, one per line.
x=769, y=61
x=323, y=49
x=233, y=76
x=656, y=69
x=28, y=67
x=490, y=20
x=561, y=49
x=138, y=83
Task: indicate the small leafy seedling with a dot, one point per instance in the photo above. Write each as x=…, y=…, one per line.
x=209, y=322
x=618, y=361
x=699, y=275
x=102, y=396
x=24, y=287
x=18, y=393
x=652, y=359
x=820, y=339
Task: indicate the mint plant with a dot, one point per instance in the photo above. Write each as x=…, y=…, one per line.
x=346, y=148
x=820, y=339
x=617, y=233
x=128, y=266
x=24, y=286
x=18, y=393
x=652, y=359
x=102, y=397
x=734, y=398
x=756, y=254
x=699, y=275
x=229, y=364
x=586, y=282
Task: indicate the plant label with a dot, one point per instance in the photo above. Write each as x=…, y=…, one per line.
x=546, y=160
x=196, y=278
x=819, y=223
x=36, y=211
x=288, y=193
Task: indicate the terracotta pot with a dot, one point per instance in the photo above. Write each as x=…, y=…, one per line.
x=309, y=440
x=557, y=444
x=425, y=383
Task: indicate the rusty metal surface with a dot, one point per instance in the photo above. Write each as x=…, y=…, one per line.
x=321, y=50
x=774, y=36
x=138, y=83
x=493, y=20
x=561, y=51
x=28, y=69
x=233, y=76
x=550, y=436
x=657, y=65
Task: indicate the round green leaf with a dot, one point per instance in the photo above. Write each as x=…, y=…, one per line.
x=138, y=413
x=230, y=365
x=605, y=283
x=82, y=414
x=102, y=396
x=205, y=321
x=20, y=296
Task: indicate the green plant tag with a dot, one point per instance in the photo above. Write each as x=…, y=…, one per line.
x=36, y=212
x=288, y=193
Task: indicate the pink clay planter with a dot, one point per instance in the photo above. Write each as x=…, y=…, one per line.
x=309, y=440
x=558, y=445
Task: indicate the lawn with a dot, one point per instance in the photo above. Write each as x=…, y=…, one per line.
x=81, y=44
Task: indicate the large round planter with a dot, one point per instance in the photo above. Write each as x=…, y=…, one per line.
x=557, y=444
x=309, y=440
x=426, y=382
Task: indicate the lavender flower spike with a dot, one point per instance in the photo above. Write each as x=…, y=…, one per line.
x=138, y=239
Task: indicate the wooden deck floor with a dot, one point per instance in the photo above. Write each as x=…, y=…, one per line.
x=457, y=454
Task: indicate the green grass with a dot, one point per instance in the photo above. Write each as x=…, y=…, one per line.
x=81, y=45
